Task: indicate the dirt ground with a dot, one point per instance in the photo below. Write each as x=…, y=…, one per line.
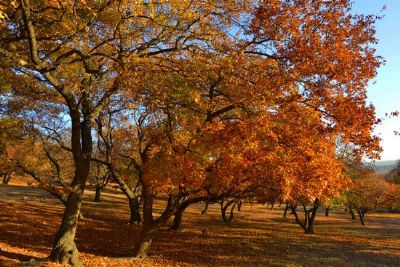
x=29, y=218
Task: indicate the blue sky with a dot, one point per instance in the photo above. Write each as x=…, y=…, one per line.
x=384, y=91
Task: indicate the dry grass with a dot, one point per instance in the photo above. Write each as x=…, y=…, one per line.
x=257, y=237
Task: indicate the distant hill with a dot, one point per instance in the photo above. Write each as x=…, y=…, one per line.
x=385, y=166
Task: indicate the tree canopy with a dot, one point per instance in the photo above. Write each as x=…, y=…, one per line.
x=189, y=100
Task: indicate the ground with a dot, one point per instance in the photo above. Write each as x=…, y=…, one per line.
x=29, y=218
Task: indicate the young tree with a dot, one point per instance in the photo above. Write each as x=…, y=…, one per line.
x=371, y=192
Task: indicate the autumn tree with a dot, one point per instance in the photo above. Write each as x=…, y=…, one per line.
x=69, y=58
x=11, y=136
x=394, y=175
x=235, y=97
x=371, y=192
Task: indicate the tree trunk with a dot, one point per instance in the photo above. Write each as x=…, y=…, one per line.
x=327, y=212
x=285, y=212
x=362, y=219
x=239, y=205
x=6, y=178
x=98, y=193
x=134, y=208
x=146, y=236
x=231, y=204
x=143, y=245
x=64, y=249
x=204, y=211
x=177, y=225
x=131, y=195
x=311, y=218
x=353, y=216
x=361, y=214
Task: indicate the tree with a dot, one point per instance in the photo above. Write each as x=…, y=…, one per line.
x=371, y=192
x=394, y=175
x=11, y=132
x=232, y=98
x=69, y=58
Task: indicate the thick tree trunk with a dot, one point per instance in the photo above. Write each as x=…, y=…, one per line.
x=310, y=228
x=146, y=236
x=327, y=212
x=177, y=225
x=64, y=249
x=143, y=245
x=134, y=208
x=98, y=193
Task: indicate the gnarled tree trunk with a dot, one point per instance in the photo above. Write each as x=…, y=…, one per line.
x=64, y=248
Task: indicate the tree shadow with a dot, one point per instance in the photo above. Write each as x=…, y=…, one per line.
x=256, y=237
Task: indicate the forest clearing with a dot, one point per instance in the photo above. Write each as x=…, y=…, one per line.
x=257, y=236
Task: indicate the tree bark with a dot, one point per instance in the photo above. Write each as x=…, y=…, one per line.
x=64, y=248
x=134, y=208
x=143, y=245
x=311, y=218
x=327, y=212
x=177, y=225
x=146, y=236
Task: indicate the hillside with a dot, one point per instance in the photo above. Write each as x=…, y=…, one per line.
x=385, y=166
